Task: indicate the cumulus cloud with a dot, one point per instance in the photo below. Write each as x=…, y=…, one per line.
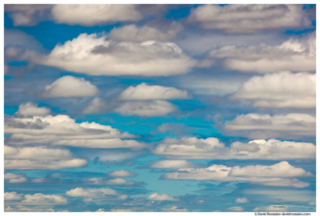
x=171, y=164
x=144, y=33
x=272, y=208
x=146, y=108
x=255, y=125
x=14, y=178
x=43, y=199
x=175, y=209
x=94, y=14
x=90, y=194
x=249, y=18
x=121, y=173
x=292, y=55
x=21, y=208
x=30, y=109
x=163, y=197
x=94, y=107
x=150, y=92
x=95, y=55
x=12, y=196
x=116, y=181
x=236, y=208
x=212, y=148
x=46, y=129
x=69, y=86
x=280, y=174
x=39, y=158
x=280, y=90
x=242, y=200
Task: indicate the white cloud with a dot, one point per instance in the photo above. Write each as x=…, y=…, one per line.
x=46, y=129
x=69, y=86
x=21, y=208
x=94, y=14
x=236, y=208
x=144, y=33
x=121, y=173
x=280, y=90
x=116, y=181
x=90, y=194
x=14, y=178
x=249, y=18
x=121, y=210
x=242, y=200
x=255, y=126
x=146, y=108
x=12, y=196
x=43, y=199
x=94, y=107
x=95, y=55
x=172, y=164
x=29, y=109
x=291, y=55
x=272, y=208
x=101, y=143
x=275, y=175
x=44, y=165
x=150, y=92
x=163, y=197
x=212, y=148
x=174, y=209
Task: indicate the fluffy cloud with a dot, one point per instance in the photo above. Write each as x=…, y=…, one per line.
x=255, y=126
x=43, y=199
x=291, y=55
x=20, y=208
x=175, y=209
x=144, y=33
x=150, y=92
x=14, y=178
x=94, y=14
x=236, y=208
x=249, y=18
x=39, y=158
x=69, y=86
x=242, y=200
x=12, y=196
x=212, y=148
x=121, y=173
x=94, y=107
x=272, y=208
x=275, y=175
x=30, y=109
x=95, y=193
x=95, y=55
x=46, y=129
x=146, y=108
x=116, y=181
x=172, y=164
x=280, y=90
x=163, y=197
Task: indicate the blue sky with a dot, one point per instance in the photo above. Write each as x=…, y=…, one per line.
x=203, y=108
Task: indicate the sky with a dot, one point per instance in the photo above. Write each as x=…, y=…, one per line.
x=159, y=108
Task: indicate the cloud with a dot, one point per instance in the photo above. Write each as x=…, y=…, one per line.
x=39, y=158
x=174, y=209
x=272, y=208
x=144, y=33
x=46, y=129
x=255, y=126
x=29, y=109
x=12, y=196
x=121, y=173
x=151, y=92
x=280, y=90
x=212, y=148
x=90, y=194
x=69, y=86
x=163, y=197
x=101, y=143
x=236, y=208
x=171, y=164
x=94, y=14
x=249, y=18
x=43, y=199
x=93, y=55
x=94, y=107
x=292, y=55
x=146, y=108
x=14, y=178
x=275, y=175
x=116, y=181
x=20, y=208
x=242, y=200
